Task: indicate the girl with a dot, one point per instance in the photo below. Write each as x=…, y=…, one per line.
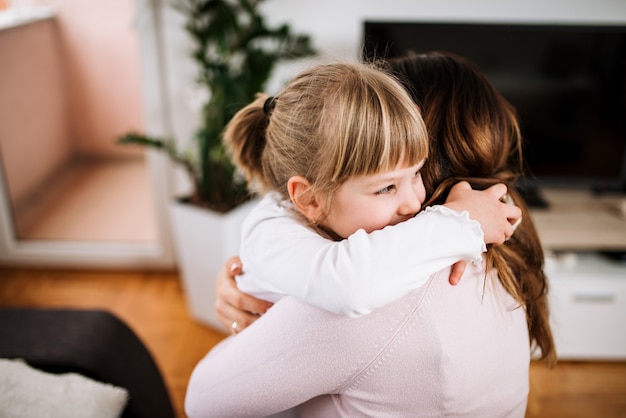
x=339, y=152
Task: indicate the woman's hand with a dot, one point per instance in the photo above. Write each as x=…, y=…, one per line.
x=235, y=309
x=496, y=217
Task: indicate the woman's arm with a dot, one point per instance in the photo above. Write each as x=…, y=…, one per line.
x=277, y=363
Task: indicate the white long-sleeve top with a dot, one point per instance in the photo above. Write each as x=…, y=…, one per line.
x=283, y=256
x=440, y=351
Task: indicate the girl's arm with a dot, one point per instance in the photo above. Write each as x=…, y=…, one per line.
x=232, y=305
x=281, y=256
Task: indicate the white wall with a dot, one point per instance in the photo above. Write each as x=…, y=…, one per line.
x=336, y=25
x=336, y=29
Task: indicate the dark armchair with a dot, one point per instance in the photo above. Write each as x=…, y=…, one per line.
x=94, y=343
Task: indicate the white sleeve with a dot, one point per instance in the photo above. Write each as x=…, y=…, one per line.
x=281, y=256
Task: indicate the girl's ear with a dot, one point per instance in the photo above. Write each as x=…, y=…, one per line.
x=304, y=198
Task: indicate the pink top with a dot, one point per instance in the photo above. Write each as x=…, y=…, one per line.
x=442, y=350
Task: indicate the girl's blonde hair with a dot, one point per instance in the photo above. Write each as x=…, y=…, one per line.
x=332, y=122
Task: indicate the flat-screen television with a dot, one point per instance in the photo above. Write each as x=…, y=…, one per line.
x=567, y=82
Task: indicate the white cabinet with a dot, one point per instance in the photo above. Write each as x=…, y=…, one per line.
x=587, y=290
x=588, y=306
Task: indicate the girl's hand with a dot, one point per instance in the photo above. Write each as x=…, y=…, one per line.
x=496, y=217
x=457, y=271
x=235, y=309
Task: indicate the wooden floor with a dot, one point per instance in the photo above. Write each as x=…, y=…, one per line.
x=153, y=305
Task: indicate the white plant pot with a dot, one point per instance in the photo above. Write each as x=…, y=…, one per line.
x=204, y=240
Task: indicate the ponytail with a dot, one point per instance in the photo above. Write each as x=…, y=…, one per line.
x=244, y=138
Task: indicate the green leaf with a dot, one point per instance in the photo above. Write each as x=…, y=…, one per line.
x=235, y=52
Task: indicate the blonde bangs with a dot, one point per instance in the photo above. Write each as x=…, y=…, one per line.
x=373, y=126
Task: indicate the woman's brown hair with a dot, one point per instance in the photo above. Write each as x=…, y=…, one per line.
x=475, y=136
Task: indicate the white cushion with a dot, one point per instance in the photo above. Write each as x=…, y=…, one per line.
x=26, y=392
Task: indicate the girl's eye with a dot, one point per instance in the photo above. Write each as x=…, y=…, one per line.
x=385, y=190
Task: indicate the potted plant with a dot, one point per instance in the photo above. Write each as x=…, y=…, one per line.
x=235, y=52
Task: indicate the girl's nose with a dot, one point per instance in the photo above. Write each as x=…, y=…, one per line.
x=411, y=203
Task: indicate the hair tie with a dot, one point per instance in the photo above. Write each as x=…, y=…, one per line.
x=268, y=106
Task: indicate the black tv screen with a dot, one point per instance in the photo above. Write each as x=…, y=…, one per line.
x=567, y=82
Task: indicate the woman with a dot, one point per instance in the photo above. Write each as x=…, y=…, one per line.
x=440, y=350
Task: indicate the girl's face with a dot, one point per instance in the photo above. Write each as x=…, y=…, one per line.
x=375, y=201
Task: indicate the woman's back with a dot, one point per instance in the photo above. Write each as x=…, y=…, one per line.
x=446, y=358
x=440, y=351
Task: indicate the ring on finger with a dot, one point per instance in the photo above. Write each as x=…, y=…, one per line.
x=233, y=327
